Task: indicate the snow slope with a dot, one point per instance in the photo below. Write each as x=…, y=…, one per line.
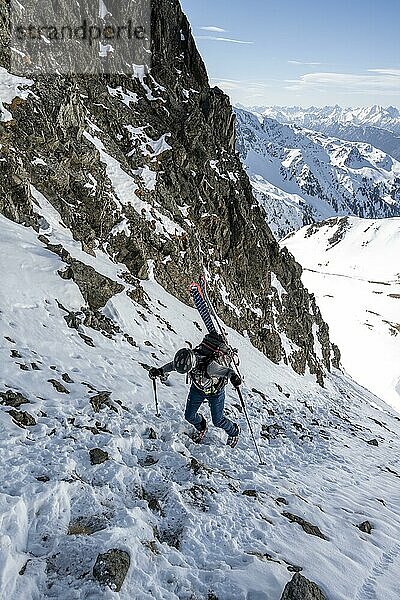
x=352, y=267
x=300, y=176
x=196, y=520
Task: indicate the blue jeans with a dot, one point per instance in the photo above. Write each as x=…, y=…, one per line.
x=217, y=401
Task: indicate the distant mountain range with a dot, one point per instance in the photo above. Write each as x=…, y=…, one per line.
x=374, y=125
x=301, y=176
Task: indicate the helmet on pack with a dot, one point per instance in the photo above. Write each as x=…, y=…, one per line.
x=184, y=361
x=214, y=343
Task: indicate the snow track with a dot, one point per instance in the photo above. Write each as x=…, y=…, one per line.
x=368, y=590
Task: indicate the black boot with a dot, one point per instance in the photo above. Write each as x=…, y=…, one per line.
x=200, y=433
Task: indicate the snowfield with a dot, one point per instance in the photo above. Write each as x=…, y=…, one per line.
x=196, y=520
x=352, y=267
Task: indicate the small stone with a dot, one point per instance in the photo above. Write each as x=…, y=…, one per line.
x=365, y=527
x=98, y=456
x=58, y=386
x=250, y=493
x=67, y=378
x=306, y=526
x=111, y=568
x=148, y=461
x=150, y=433
x=294, y=568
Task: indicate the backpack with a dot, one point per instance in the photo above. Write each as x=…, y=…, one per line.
x=213, y=347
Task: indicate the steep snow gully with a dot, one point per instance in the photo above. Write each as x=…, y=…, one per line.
x=197, y=521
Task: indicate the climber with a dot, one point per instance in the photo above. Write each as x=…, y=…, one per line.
x=208, y=380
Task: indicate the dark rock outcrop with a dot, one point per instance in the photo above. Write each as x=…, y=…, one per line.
x=365, y=527
x=14, y=399
x=305, y=525
x=111, y=568
x=199, y=214
x=300, y=588
x=98, y=456
x=22, y=418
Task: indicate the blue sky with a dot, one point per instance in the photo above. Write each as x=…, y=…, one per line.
x=301, y=52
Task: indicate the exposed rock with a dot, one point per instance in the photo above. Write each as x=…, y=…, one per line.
x=294, y=568
x=67, y=378
x=306, y=526
x=250, y=493
x=151, y=434
x=147, y=461
x=373, y=442
x=58, y=386
x=111, y=568
x=236, y=246
x=14, y=399
x=87, y=339
x=101, y=400
x=22, y=418
x=272, y=431
x=95, y=288
x=86, y=525
x=365, y=527
x=170, y=535
x=300, y=588
x=281, y=501
x=98, y=456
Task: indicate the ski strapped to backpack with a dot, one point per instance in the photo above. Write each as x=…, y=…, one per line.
x=202, y=306
x=207, y=313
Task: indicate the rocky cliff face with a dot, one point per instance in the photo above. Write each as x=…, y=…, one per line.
x=144, y=167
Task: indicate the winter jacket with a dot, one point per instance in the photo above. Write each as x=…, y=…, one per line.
x=210, y=377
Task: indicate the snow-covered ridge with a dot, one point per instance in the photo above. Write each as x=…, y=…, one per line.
x=313, y=117
x=352, y=267
x=300, y=176
x=375, y=125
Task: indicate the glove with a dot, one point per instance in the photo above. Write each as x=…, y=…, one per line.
x=154, y=373
x=236, y=380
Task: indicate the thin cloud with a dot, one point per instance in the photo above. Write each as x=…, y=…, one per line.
x=372, y=81
x=213, y=28
x=253, y=87
x=391, y=72
x=221, y=39
x=307, y=64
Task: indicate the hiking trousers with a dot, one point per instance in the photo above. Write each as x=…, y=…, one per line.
x=217, y=403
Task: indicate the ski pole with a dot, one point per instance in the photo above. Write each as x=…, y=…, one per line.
x=156, y=397
x=239, y=391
